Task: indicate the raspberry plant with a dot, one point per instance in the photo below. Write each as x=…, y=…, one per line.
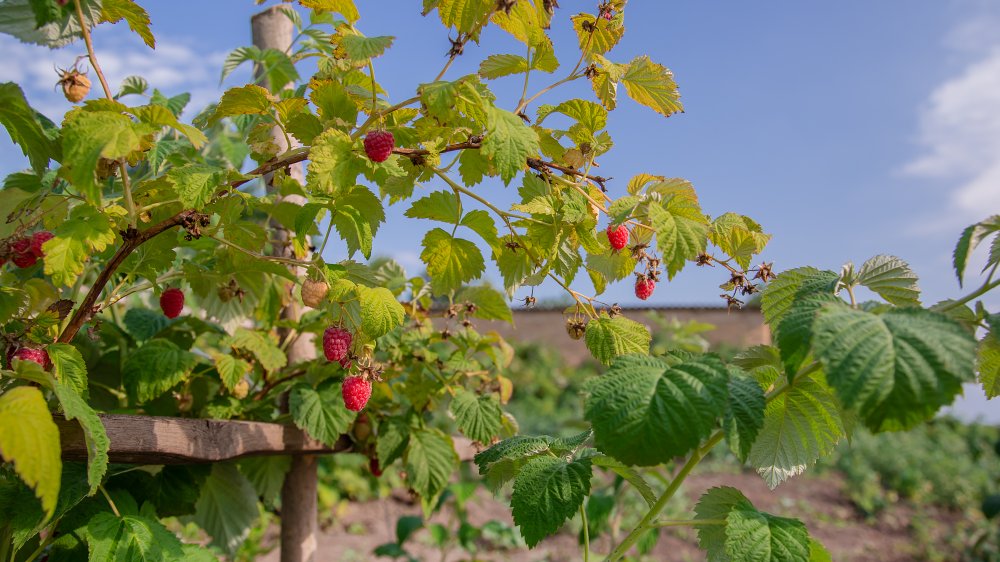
x=138, y=200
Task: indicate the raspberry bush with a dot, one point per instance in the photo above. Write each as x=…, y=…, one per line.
x=125, y=206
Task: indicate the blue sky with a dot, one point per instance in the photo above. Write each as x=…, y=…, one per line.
x=847, y=129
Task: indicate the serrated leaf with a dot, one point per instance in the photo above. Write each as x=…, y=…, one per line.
x=652, y=85
x=450, y=261
x=155, y=368
x=231, y=369
x=547, y=492
x=68, y=367
x=739, y=237
x=380, y=311
x=227, y=507
x=681, y=232
x=393, y=438
x=267, y=475
x=969, y=239
x=744, y=416
x=345, y=8
x=608, y=338
x=263, y=347
x=752, y=536
x=464, y=15
x=23, y=127
x=143, y=323
x=481, y=223
x=430, y=461
x=497, y=66
x=137, y=18
x=478, y=417
x=94, y=434
x=244, y=100
x=895, y=369
x=988, y=365
x=714, y=505
x=29, y=439
x=800, y=425
x=892, y=279
x=131, y=537
x=88, y=231
x=631, y=475
x=320, y=411
x=794, y=332
x=490, y=303
x=13, y=302
x=596, y=35
x=357, y=217
x=645, y=412
x=360, y=48
x=196, y=184
x=439, y=206
x=90, y=135
x=792, y=285
x=509, y=142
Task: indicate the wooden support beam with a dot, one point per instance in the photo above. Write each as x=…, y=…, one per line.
x=162, y=440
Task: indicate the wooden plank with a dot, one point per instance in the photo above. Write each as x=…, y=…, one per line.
x=163, y=440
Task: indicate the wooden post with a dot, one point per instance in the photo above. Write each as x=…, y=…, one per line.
x=272, y=29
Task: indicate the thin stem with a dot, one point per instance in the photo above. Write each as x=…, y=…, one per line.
x=326, y=237
x=572, y=75
x=251, y=253
x=586, y=534
x=985, y=288
x=43, y=544
x=850, y=293
x=371, y=74
x=111, y=502
x=371, y=118
x=661, y=502
x=527, y=73
x=113, y=298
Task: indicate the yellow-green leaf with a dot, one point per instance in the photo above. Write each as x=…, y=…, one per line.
x=30, y=440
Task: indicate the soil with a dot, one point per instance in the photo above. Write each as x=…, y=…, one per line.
x=819, y=501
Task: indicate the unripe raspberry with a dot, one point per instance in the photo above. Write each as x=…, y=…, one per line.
x=172, y=302
x=618, y=236
x=39, y=356
x=37, y=239
x=314, y=292
x=241, y=389
x=644, y=287
x=336, y=343
x=379, y=145
x=356, y=392
x=75, y=85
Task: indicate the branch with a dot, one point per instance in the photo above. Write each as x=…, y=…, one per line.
x=543, y=166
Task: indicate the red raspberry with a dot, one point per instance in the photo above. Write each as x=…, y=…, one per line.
x=644, y=287
x=607, y=16
x=39, y=356
x=618, y=236
x=23, y=256
x=37, y=239
x=356, y=391
x=336, y=343
x=379, y=145
x=374, y=467
x=172, y=302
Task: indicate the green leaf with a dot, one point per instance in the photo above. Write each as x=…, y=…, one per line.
x=393, y=438
x=68, y=366
x=29, y=439
x=196, y=184
x=88, y=231
x=744, y=414
x=334, y=103
x=794, y=332
x=631, y=475
x=321, y=411
x=497, y=66
x=94, y=434
x=480, y=222
x=592, y=116
x=988, y=364
x=739, y=237
x=604, y=36
x=896, y=369
x=267, y=475
x=430, y=461
x=490, y=303
x=155, y=368
x=450, y=261
x=231, y=369
x=464, y=15
x=19, y=18
x=645, y=412
x=90, y=135
x=800, y=425
x=143, y=323
x=681, y=232
x=607, y=338
x=113, y=11
x=652, y=85
x=262, y=345
x=23, y=127
x=381, y=313
x=245, y=100
x=478, y=417
x=753, y=536
x=132, y=538
x=333, y=165
x=227, y=507
x=439, y=206
x=547, y=492
x=892, y=279
x=970, y=238
x=357, y=216
x=792, y=285
x=345, y=8
x=360, y=48
x=509, y=142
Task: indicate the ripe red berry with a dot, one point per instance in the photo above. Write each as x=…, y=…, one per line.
x=39, y=356
x=23, y=256
x=644, y=287
x=618, y=236
x=356, y=391
x=37, y=239
x=336, y=343
x=172, y=302
x=607, y=16
x=374, y=467
x=379, y=145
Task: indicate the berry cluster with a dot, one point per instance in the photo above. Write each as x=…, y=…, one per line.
x=645, y=281
x=27, y=250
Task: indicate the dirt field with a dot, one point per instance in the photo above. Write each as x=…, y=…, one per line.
x=818, y=501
